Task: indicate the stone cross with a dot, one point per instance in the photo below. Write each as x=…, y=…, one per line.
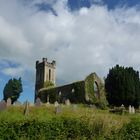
x=9, y=102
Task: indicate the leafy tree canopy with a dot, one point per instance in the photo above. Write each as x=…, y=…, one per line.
x=12, y=89
x=123, y=86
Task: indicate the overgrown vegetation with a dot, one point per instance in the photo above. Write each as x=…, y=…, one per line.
x=123, y=86
x=73, y=123
x=131, y=131
x=48, y=84
x=77, y=96
x=100, y=99
x=77, y=92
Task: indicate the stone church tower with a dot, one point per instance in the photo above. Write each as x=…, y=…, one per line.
x=45, y=71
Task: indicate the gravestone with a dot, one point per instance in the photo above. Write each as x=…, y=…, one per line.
x=17, y=103
x=9, y=102
x=26, y=110
x=130, y=109
x=133, y=110
x=2, y=105
x=31, y=104
x=56, y=103
x=92, y=106
x=67, y=102
x=122, y=109
x=74, y=107
x=38, y=102
x=58, y=109
x=48, y=102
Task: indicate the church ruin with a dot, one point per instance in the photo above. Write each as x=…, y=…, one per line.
x=90, y=90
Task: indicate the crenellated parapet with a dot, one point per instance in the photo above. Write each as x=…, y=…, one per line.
x=45, y=61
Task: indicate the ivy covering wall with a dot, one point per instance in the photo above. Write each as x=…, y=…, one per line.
x=90, y=95
x=77, y=92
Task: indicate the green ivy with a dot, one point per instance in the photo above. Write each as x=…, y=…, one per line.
x=48, y=84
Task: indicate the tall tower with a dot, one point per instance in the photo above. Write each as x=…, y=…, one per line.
x=45, y=71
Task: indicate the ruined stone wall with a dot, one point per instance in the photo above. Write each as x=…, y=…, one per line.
x=75, y=92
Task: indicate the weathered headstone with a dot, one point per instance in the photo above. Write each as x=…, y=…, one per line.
x=31, y=104
x=38, y=102
x=56, y=103
x=26, y=110
x=58, y=109
x=92, y=106
x=133, y=110
x=9, y=102
x=2, y=105
x=48, y=103
x=48, y=100
x=67, y=102
x=130, y=109
x=74, y=107
x=122, y=109
x=17, y=103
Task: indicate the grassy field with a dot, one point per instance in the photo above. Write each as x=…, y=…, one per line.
x=74, y=122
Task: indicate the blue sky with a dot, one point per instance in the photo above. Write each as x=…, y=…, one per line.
x=83, y=36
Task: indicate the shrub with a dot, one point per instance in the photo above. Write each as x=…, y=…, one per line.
x=131, y=131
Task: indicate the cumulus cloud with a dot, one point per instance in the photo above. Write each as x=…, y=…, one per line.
x=13, y=72
x=83, y=41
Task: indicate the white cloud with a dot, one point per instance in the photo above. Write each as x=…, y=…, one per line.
x=81, y=42
x=13, y=72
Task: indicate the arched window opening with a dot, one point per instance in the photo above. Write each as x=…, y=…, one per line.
x=73, y=90
x=96, y=90
x=49, y=74
x=60, y=93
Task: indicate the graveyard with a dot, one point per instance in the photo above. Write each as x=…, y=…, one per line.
x=77, y=111
x=82, y=110
x=66, y=121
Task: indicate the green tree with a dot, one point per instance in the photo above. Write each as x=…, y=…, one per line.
x=123, y=86
x=12, y=89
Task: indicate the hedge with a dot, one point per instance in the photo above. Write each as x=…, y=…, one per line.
x=59, y=128
x=56, y=128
